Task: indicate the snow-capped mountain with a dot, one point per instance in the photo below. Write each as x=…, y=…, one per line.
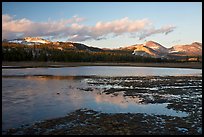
x=142, y=50
x=58, y=45
x=154, y=49
x=14, y=41
x=36, y=40
x=150, y=48
x=30, y=41
x=190, y=50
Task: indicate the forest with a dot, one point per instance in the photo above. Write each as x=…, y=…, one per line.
x=67, y=53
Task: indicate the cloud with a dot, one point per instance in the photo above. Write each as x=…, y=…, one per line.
x=166, y=30
x=120, y=26
x=73, y=30
x=12, y=27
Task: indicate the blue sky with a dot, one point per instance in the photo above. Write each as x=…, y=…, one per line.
x=167, y=23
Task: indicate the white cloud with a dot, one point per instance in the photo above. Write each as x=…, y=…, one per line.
x=73, y=29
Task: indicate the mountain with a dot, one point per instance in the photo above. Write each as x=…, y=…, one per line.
x=36, y=40
x=154, y=49
x=79, y=46
x=142, y=50
x=194, y=49
x=149, y=49
x=57, y=45
x=30, y=41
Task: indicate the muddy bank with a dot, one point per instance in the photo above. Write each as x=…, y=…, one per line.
x=183, y=93
x=89, y=122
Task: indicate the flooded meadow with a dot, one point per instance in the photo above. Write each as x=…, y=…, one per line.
x=101, y=100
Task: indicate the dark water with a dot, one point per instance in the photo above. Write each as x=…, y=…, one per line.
x=29, y=99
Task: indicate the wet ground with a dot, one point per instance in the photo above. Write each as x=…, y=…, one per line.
x=180, y=93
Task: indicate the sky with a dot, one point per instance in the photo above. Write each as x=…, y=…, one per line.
x=105, y=24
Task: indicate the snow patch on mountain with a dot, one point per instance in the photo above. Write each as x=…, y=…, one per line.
x=154, y=49
x=36, y=40
x=30, y=41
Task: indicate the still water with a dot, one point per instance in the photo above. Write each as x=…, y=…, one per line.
x=103, y=71
x=29, y=99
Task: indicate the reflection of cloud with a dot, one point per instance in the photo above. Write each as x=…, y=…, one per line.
x=69, y=93
x=119, y=100
x=73, y=30
x=78, y=98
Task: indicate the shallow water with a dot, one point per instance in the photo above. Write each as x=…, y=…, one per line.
x=103, y=71
x=29, y=99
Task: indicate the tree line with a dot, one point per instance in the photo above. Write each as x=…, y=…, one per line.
x=44, y=52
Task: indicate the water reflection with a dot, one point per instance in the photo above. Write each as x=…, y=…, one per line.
x=118, y=99
x=25, y=100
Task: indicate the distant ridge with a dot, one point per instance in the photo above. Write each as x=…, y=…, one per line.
x=154, y=49
x=148, y=49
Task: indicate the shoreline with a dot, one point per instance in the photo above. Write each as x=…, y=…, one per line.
x=23, y=64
